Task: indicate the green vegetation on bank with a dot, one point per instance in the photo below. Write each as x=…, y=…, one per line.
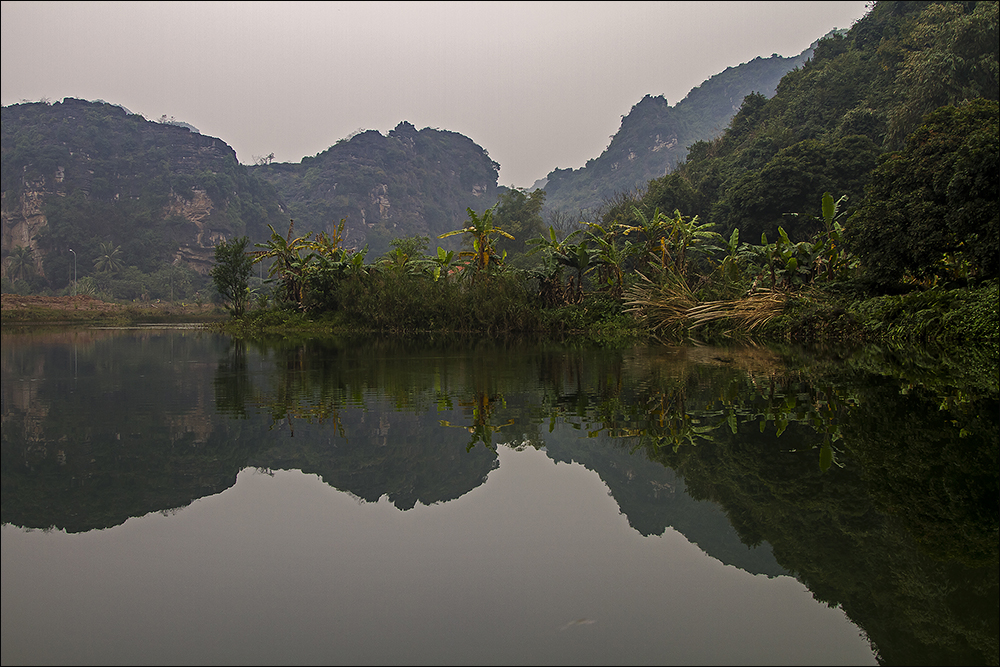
x=670, y=278
x=858, y=204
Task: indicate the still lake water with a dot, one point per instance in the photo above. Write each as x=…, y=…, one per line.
x=178, y=497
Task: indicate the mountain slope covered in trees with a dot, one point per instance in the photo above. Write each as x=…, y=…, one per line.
x=102, y=201
x=406, y=183
x=654, y=137
x=92, y=191
x=832, y=121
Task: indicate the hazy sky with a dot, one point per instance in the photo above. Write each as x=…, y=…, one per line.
x=539, y=85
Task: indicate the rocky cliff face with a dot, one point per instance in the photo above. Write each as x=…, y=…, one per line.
x=406, y=183
x=21, y=221
x=76, y=174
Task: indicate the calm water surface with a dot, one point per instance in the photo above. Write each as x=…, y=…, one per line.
x=179, y=497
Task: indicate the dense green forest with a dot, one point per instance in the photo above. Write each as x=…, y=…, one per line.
x=859, y=97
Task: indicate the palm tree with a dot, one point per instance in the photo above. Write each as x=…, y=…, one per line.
x=109, y=260
x=21, y=263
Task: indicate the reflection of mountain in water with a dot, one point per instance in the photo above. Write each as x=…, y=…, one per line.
x=88, y=448
x=376, y=451
x=652, y=497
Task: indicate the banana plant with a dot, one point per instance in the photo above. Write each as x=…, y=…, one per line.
x=579, y=257
x=550, y=275
x=329, y=247
x=654, y=230
x=611, y=255
x=287, y=264
x=830, y=259
x=833, y=251
x=670, y=240
x=484, y=235
x=441, y=264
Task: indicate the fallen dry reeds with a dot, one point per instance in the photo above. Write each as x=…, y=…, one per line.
x=672, y=308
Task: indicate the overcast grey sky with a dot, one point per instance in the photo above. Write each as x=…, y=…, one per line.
x=539, y=85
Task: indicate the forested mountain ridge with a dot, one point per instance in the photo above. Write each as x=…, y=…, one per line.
x=406, y=183
x=654, y=137
x=831, y=121
x=88, y=180
x=127, y=207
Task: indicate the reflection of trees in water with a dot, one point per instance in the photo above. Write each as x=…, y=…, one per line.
x=902, y=532
x=114, y=429
x=874, y=482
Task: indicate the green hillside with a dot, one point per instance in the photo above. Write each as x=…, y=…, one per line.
x=831, y=121
x=654, y=137
x=133, y=207
x=406, y=183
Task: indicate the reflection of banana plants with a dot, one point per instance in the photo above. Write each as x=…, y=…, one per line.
x=482, y=428
x=820, y=410
x=663, y=421
x=672, y=425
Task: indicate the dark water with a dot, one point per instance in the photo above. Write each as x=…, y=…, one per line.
x=178, y=497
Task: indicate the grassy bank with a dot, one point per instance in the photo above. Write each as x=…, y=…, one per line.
x=18, y=310
x=831, y=315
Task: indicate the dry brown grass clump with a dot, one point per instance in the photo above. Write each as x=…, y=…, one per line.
x=673, y=309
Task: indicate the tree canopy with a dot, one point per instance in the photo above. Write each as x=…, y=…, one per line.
x=931, y=209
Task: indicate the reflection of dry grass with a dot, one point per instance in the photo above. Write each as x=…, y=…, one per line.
x=672, y=308
x=679, y=362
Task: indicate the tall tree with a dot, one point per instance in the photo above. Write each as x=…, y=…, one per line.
x=109, y=259
x=21, y=263
x=231, y=273
x=520, y=213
